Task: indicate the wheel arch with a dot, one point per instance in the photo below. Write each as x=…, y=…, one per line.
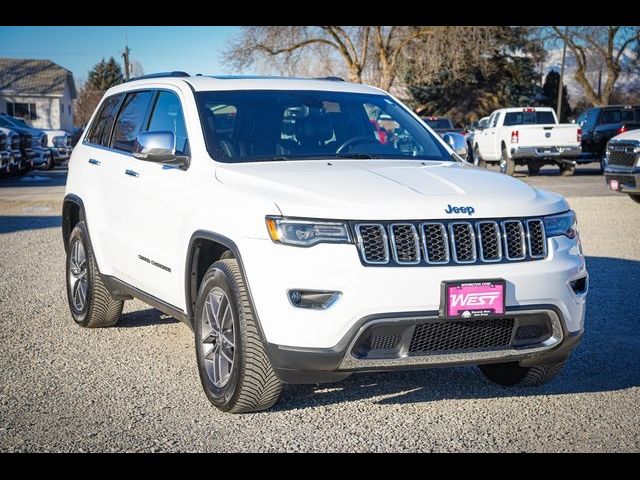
x=205, y=248
x=72, y=212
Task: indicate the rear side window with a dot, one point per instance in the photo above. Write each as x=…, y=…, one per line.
x=493, y=121
x=102, y=124
x=131, y=119
x=529, y=118
x=610, y=116
x=167, y=117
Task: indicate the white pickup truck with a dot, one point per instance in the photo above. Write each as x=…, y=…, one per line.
x=528, y=136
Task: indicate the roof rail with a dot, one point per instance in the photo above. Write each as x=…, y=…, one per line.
x=333, y=79
x=160, y=75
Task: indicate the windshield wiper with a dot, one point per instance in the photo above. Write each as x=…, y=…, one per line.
x=357, y=156
x=279, y=158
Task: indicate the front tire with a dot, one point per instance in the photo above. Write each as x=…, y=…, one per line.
x=477, y=159
x=234, y=369
x=567, y=169
x=90, y=302
x=507, y=165
x=511, y=374
x=635, y=198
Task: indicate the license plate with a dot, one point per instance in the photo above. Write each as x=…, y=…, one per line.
x=474, y=299
x=614, y=185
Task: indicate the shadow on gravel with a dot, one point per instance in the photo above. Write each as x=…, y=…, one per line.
x=144, y=318
x=606, y=360
x=11, y=223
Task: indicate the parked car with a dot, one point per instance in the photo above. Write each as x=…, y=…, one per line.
x=601, y=124
x=9, y=151
x=41, y=156
x=293, y=259
x=472, y=130
x=442, y=125
x=25, y=161
x=622, y=164
x=59, y=144
x=528, y=136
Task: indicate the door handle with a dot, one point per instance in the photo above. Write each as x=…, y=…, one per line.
x=132, y=173
x=93, y=161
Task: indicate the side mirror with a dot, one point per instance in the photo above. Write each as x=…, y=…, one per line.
x=457, y=143
x=157, y=147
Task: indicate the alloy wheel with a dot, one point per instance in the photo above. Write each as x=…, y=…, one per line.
x=78, y=275
x=218, y=340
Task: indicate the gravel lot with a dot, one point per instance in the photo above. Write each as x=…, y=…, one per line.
x=136, y=388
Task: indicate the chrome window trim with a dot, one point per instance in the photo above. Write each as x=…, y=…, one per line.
x=506, y=240
x=361, y=245
x=445, y=237
x=497, y=228
x=544, y=238
x=394, y=249
x=453, y=242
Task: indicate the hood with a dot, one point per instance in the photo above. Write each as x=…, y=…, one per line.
x=388, y=189
x=630, y=135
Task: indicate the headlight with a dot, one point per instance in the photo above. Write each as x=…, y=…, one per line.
x=59, y=142
x=306, y=233
x=563, y=224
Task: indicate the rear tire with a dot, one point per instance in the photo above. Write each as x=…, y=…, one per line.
x=90, y=302
x=234, y=369
x=534, y=168
x=511, y=374
x=567, y=169
x=507, y=165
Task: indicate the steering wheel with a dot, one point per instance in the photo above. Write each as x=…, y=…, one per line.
x=354, y=141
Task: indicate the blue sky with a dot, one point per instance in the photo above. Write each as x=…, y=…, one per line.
x=192, y=49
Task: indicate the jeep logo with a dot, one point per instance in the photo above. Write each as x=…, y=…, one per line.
x=468, y=210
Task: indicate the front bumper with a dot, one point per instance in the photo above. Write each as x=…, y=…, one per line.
x=295, y=336
x=628, y=178
x=556, y=153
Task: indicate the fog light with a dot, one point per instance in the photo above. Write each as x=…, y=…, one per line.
x=314, y=299
x=579, y=285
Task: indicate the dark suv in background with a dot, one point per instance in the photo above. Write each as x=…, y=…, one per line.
x=600, y=124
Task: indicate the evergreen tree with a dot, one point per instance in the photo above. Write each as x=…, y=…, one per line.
x=550, y=89
x=105, y=75
x=511, y=80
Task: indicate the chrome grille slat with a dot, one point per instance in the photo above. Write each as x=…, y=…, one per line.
x=490, y=241
x=514, y=239
x=463, y=242
x=373, y=243
x=405, y=243
x=536, y=238
x=435, y=242
x=450, y=242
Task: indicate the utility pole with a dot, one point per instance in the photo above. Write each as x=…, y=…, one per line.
x=560, y=86
x=125, y=56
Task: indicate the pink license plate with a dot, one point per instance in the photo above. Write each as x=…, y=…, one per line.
x=614, y=185
x=474, y=299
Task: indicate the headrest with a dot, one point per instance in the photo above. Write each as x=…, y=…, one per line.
x=315, y=127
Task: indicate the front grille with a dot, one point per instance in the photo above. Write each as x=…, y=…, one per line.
x=461, y=335
x=15, y=142
x=26, y=140
x=3, y=141
x=450, y=242
x=622, y=154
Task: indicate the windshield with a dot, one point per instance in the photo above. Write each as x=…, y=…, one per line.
x=261, y=125
x=528, y=118
x=439, y=123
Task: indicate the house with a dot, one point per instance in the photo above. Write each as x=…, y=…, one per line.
x=39, y=91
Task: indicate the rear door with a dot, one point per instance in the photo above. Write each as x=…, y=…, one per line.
x=487, y=138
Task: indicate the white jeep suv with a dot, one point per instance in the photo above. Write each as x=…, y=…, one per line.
x=301, y=247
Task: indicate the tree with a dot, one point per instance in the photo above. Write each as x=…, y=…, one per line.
x=85, y=103
x=550, y=90
x=374, y=54
x=501, y=74
x=104, y=75
x=595, y=49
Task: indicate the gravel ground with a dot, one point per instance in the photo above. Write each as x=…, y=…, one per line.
x=136, y=388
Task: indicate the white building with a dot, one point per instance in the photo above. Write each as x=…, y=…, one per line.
x=39, y=91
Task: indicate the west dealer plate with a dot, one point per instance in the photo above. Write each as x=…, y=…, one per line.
x=473, y=299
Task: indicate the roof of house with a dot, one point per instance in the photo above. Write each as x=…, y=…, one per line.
x=34, y=77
